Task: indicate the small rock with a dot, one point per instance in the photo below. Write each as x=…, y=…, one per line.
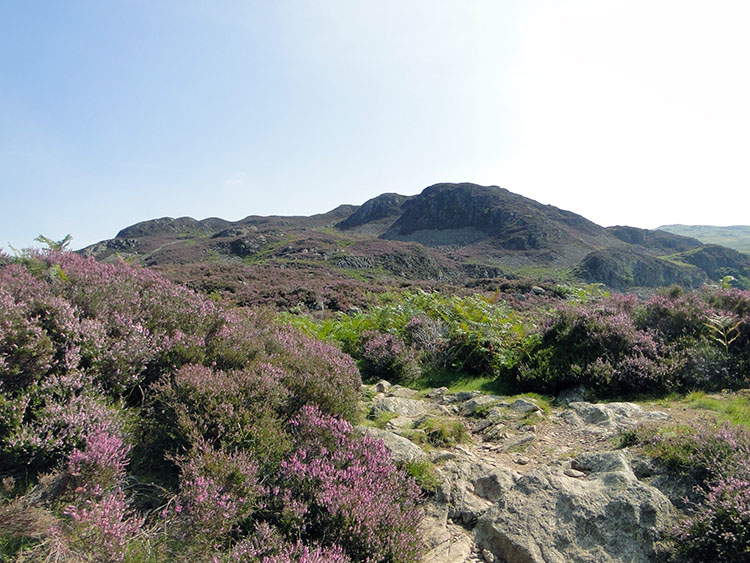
x=536, y=290
x=382, y=386
x=575, y=394
x=465, y=451
x=437, y=393
x=574, y=473
x=402, y=450
x=403, y=392
x=495, y=433
x=524, y=406
x=439, y=456
x=481, y=425
x=487, y=556
x=462, y=396
x=472, y=405
x=496, y=413
x=521, y=442
x=521, y=460
x=400, y=422
x=400, y=406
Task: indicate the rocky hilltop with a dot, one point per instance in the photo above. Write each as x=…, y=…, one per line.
x=450, y=233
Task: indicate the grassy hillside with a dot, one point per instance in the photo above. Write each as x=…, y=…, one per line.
x=736, y=237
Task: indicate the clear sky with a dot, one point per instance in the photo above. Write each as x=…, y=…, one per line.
x=116, y=111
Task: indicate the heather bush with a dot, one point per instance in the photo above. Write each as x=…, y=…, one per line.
x=707, y=454
x=229, y=410
x=101, y=464
x=716, y=526
x=385, y=356
x=101, y=528
x=318, y=373
x=346, y=489
x=49, y=420
x=39, y=335
x=675, y=316
x=597, y=346
x=101, y=364
x=101, y=522
x=267, y=545
x=718, y=529
x=218, y=494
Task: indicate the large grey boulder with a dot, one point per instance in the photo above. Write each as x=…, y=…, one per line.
x=469, y=486
x=608, y=418
x=399, y=405
x=549, y=517
x=402, y=450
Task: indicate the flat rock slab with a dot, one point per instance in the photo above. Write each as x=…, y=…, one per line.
x=609, y=416
x=400, y=406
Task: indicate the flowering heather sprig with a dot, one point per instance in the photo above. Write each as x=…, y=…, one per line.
x=723, y=452
x=102, y=528
x=60, y=425
x=352, y=491
x=102, y=462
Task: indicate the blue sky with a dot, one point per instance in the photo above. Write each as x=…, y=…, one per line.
x=117, y=111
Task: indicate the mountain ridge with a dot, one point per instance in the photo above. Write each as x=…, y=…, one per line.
x=454, y=233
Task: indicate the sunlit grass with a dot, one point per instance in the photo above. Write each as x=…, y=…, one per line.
x=734, y=408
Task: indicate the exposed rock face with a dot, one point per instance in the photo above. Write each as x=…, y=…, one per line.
x=550, y=517
x=608, y=417
x=534, y=486
x=623, y=268
x=718, y=261
x=382, y=207
x=513, y=221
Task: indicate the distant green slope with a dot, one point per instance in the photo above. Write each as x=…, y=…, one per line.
x=737, y=236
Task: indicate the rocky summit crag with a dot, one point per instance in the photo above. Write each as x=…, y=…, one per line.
x=450, y=233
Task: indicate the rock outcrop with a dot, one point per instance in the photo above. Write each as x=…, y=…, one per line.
x=549, y=516
x=534, y=484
